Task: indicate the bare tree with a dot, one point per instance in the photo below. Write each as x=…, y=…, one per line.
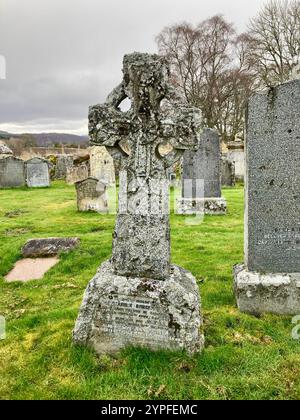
x=19, y=144
x=274, y=41
x=210, y=71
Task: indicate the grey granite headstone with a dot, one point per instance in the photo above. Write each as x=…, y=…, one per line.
x=12, y=172
x=272, y=231
x=91, y=195
x=138, y=297
x=37, y=173
x=204, y=164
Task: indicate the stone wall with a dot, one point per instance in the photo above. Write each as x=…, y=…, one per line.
x=44, y=152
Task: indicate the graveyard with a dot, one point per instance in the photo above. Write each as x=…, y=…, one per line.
x=245, y=357
x=149, y=204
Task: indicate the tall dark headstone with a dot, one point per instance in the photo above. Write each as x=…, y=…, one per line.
x=270, y=279
x=203, y=165
x=139, y=297
x=228, y=172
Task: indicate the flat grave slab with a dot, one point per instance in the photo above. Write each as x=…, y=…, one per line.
x=31, y=269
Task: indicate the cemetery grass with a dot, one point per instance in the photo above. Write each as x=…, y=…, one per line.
x=244, y=358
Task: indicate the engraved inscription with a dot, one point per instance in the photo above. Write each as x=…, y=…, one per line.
x=289, y=237
x=142, y=318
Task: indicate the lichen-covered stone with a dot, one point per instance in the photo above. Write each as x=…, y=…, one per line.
x=48, y=247
x=91, y=195
x=118, y=311
x=141, y=239
x=138, y=298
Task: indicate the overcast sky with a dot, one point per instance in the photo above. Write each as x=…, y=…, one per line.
x=64, y=55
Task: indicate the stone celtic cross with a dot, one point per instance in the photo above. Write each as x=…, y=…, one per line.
x=139, y=298
x=141, y=244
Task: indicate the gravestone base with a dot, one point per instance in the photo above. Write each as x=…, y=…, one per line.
x=94, y=205
x=120, y=311
x=211, y=206
x=258, y=293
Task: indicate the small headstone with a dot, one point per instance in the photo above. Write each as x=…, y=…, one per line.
x=203, y=165
x=138, y=298
x=12, y=172
x=77, y=173
x=37, y=173
x=63, y=163
x=270, y=279
x=91, y=195
x=228, y=172
x=48, y=247
x=102, y=165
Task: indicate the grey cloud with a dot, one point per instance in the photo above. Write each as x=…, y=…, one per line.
x=64, y=55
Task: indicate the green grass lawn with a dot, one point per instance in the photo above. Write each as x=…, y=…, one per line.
x=244, y=358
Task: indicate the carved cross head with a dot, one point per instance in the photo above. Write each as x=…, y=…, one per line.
x=149, y=123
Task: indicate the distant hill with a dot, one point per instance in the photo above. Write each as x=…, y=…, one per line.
x=50, y=139
x=4, y=135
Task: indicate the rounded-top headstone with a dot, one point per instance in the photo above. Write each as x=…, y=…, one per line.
x=37, y=173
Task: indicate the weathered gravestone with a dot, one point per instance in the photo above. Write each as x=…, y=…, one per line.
x=91, y=195
x=77, y=173
x=203, y=165
x=63, y=163
x=37, y=173
x=5, y=151
x=48, y=247
x=270, y=279
x=12, y=172
x=228, y=172
x=138, y=297
x=102, y=165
